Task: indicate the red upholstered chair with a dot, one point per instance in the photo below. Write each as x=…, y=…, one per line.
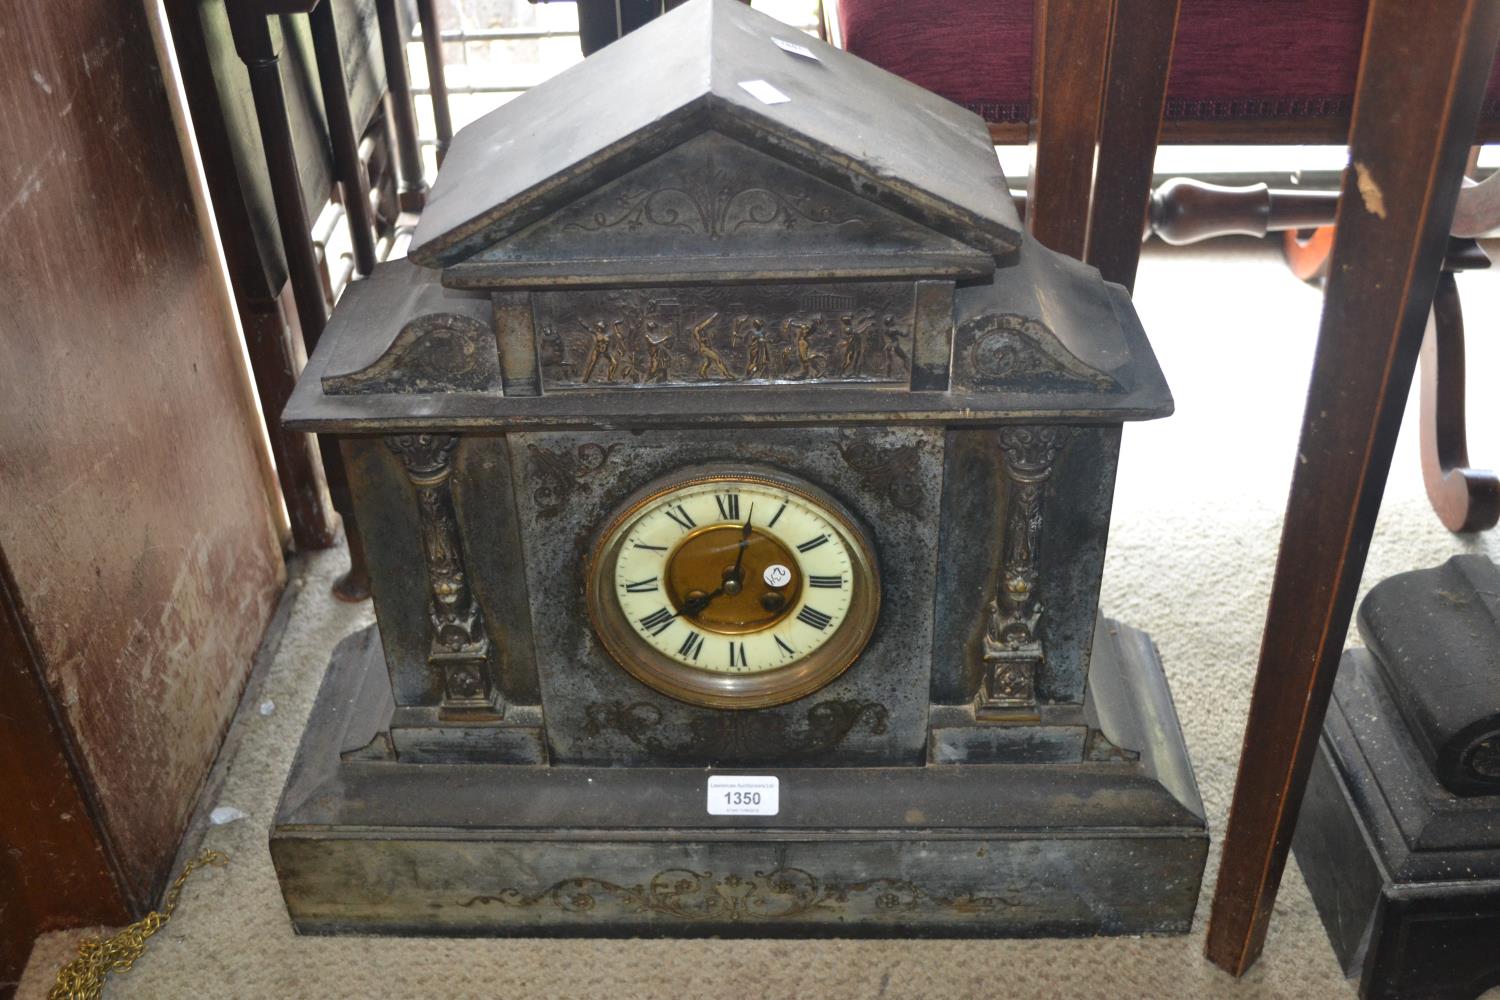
x=1243, y=71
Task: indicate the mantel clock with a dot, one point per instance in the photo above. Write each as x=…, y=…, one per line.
x=735, y=477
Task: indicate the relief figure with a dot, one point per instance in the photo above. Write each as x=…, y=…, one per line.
x=810, y=364
x=659, y=357
x=598, y=352
x=893, y=351
x=706, y=351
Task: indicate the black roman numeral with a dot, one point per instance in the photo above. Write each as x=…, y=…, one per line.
x=729, y=505
x=812, y=543
x=784, y=646
x=646, y=586
x=683, y=518
x=776, y=516
x=653, y=548
x=834, y=582
x=658, y=621
x=691, y=646
x=812, y=616
x=737, y=654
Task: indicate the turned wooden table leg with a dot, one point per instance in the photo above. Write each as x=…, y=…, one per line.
x=1465, y=499
x=1421, y=82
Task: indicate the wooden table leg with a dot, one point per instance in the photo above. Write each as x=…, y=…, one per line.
x=1135, y=92
x=1465, y=499
x=1069, y=54
x=1422, y=77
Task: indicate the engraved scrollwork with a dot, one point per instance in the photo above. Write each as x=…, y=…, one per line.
x=892, y=472
x=559, y=472
x=436, y=352
x=777, y=894
x=737, y=735
x=1010, y=347
x=710, y=202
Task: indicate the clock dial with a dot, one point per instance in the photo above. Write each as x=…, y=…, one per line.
x=735, y=590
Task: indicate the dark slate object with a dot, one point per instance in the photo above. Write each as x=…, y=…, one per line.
x=1398, y=839
x=679, y=76
x=818, y=275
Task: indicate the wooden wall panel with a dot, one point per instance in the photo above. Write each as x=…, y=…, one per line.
x=55, y=869
x=132, y=514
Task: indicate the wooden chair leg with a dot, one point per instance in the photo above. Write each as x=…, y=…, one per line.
x=1135, y=93
x=1465, y=499
x=1070, y=56
x=1395, y=212
x=403, y=115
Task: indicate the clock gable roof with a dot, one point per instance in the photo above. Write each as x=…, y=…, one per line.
x=718, y=66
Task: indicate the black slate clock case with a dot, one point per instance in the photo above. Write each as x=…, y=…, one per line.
x=761, y=253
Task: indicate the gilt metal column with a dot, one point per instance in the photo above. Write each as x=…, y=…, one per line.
x=1013, y=651
x=460, y=647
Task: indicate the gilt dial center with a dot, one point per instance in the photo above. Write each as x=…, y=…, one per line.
x=715, y=577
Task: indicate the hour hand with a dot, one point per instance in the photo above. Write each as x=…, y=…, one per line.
x=696, y=605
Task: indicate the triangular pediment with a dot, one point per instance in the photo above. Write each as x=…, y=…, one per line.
x=714, y=206
x=718, y=66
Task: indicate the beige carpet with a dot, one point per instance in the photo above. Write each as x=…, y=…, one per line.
x=1191, y=553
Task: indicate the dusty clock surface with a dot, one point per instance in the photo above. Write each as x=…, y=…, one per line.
x=735, y=589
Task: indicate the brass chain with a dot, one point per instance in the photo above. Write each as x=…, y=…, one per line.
x=83, y=978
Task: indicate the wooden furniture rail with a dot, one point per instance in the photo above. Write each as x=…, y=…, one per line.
x=1465, y=499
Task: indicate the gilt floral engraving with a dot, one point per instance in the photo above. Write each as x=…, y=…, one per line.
x=777, y=894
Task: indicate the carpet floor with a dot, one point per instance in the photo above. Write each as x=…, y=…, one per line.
x=1192, y=548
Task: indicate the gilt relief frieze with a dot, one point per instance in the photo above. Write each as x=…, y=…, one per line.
x=857, y=332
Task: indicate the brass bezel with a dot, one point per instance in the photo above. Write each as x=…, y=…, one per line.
x=714, y=690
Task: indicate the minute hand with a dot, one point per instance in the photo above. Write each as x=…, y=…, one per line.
x=744, y=542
